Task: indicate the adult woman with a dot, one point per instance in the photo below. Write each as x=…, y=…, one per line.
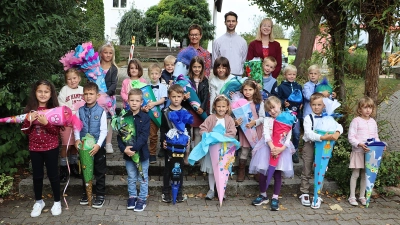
x=195, y=34
x=265, y=45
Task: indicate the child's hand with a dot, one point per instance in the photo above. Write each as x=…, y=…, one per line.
x=238, y=122
x=231, y=94
x=301, y=106
x=32, y=116
x=171, y=82
x=325, y=93
x=200, y=111
x=270, y=144
x=186, y=96
x=77, y=143
x=128, y=151
x=42, y=119
x=333, y=95
x=335, y=136
x=94, y=150
x=145, y=109
x=287, y=104
x=364, y=147
x=251, y=124
x=150, y=105
x=259, y=86
x=164, y=144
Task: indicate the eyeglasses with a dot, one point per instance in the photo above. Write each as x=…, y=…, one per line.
x=194, y=35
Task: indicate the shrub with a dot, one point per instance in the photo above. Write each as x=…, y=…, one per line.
x=355, y=64
x=6, y=183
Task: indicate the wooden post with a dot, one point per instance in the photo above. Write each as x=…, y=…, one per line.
x=157, y=35
x=132, y=48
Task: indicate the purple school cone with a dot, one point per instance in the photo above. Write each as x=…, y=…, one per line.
x=323, y=152
x=222, y=159
x=372, y=162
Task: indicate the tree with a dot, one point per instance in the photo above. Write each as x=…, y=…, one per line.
x=249, y=37
x=132, y=24
x=95, y=19
x=174, y=17
x=33, y=37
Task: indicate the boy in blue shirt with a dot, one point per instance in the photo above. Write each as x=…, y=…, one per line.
x=284, y=90
x=136, y=144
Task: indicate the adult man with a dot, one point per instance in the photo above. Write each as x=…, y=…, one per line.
x=292, y=50
x=231, y=45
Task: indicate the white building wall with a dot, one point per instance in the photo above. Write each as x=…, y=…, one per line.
x=112, y=16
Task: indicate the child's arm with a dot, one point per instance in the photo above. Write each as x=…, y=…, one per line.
x=77, y=133
x=163, y=128
x=205, y=93
x=261, y=115
x=124, y=89
x=150, y=105
x=204, y=127
x=26, y=126
x=353, y=133
x=142, y=132
x=114, y=79
x=274, y=89
x=230, y=127
x=121, y=144
x=212, y=93
x=61, y=97
x=308, y=90
x=103, y=129
x=308, y=132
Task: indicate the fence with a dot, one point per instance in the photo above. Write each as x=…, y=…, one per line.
x=148, y=52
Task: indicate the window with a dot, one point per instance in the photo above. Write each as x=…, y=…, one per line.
x=119, y=3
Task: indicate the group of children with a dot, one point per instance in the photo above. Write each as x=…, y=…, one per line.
x=43, y=137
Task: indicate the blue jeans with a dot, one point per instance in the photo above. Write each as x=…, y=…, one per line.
x=296, y=135
x=134, y=176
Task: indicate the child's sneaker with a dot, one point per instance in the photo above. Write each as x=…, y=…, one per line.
x=131, y=203
x=37, y=209
x=274, y=204
x=363, y=201
x=210, y=195
x=260, y=200
x=316, y=205
x=140, y=205
x=305, y=199
x=166, y=198
x=179, y=198
x=98, y=202
x=109, y=148
x=84, y=200
x=56, y=209
x=353, y=201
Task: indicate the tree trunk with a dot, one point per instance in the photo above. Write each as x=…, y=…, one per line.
x=308, y=31
x=374, y=48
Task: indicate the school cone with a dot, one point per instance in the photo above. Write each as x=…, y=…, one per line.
x=87, y=163
x=372, y=162
x=132, y=49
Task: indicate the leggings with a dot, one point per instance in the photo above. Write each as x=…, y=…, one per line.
x=50, y=159
x=353, y=183
x=277, y=183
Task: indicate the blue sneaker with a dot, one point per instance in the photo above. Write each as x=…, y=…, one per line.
x=140, y=205
x=131, y=203
x=260, y=200
x=274, y=204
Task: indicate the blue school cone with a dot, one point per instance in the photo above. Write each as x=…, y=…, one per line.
x=176, y=172
x=372, y=162
x=323, y=152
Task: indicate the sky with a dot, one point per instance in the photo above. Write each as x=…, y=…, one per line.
x=241, y=7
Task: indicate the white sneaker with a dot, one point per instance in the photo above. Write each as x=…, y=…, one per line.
x=318, y=204
x=109, y=148
x=37, y=209
x=56, y=209
x=305, y=199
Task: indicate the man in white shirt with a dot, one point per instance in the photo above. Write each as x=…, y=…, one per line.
x=231, y=45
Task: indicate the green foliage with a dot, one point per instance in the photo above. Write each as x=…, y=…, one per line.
x=389, y=170
x=6, y=183
x=175, y=16
x=355, y=64
x=249, y=37
x=95, y=19
x=33, y=37
x=132, y=24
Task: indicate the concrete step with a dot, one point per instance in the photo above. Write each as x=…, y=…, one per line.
x=117, y=185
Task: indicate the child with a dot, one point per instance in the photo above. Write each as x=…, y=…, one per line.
x=317, y=106
x=135, y=72
x=222, y=75
x=258, y=162
x=196, y=75
x=361, y=128
x=141, y=130
x=269, y=82
x=284, y=90
x=253, y=95
x=176, y=96
x=314, y=73
x=43, y=144
x=68, y=96
x=169, y=66
x=94, y=121
x=160, y=92
x=107, y=63
x=222, y=110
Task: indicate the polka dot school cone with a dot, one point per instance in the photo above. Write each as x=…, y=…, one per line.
x=87, y=163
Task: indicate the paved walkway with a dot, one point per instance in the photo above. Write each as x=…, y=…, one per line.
x=235, y=210
x=390, y=112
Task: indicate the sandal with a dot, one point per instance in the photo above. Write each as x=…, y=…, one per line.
x=363, y=201
x=353, y=201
